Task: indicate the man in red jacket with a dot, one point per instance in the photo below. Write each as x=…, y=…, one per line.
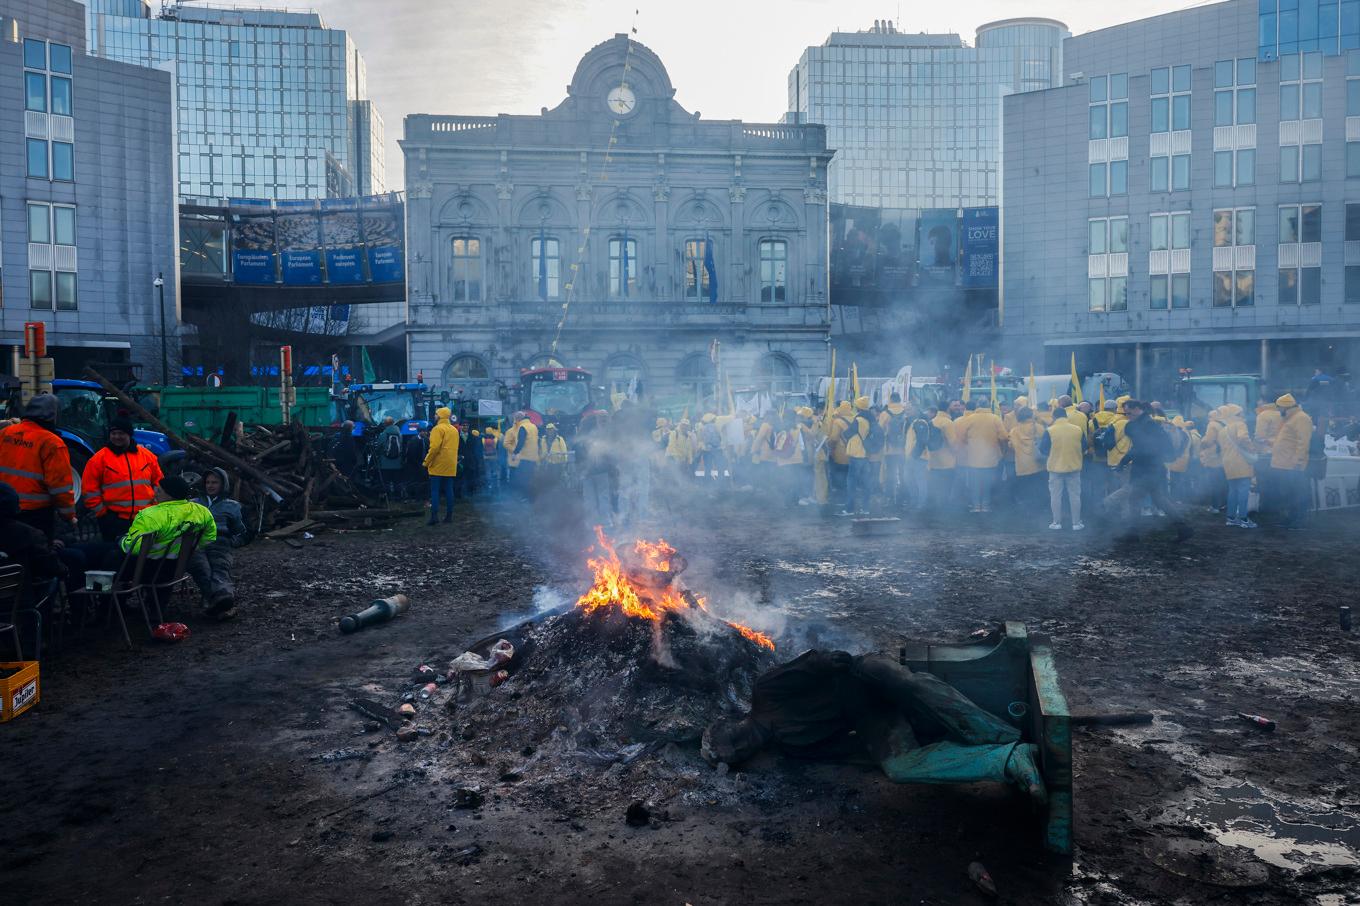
x=120, y=480
x=35, y=462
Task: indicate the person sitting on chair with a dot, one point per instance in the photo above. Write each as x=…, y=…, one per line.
x=21, y=543
x=211, y=564
x=168, y=519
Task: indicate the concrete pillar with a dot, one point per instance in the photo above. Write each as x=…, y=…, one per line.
x=1138, y=370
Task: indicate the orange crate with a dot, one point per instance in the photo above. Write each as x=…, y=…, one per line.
x=20, y=690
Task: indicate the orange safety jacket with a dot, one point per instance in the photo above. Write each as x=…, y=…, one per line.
x=120, y=483
x=36, y=463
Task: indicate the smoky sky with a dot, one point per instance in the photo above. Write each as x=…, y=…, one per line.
x=729, y=59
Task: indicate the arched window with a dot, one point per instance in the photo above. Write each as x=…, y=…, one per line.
x=623, y=268
x=623, y=376
x=545, y=259
x=544, y=361
x=466, y=367
x=698, y=381
x=466, y=282
x=699, y=271
x=774, y=262
x=777, y=374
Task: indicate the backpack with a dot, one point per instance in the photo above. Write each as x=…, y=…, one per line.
x=897, y=431
x=934, y=437
x=1105, y=439
x=921, y=429
x=873, y=441
x=392, y=449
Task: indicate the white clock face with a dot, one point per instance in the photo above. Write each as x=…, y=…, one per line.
x=621, y=100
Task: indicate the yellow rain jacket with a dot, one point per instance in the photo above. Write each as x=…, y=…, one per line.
x=1210, y=456
x=1233, y=441
x=841, y=418
x=982, y=437
x=944, y=459
x=1182, y=463
x=1290, y=450
x=442, y=460
x=1064, y=451
x=854, y=447
x=1268, y=423
x=553, y=451
x=1024, y=440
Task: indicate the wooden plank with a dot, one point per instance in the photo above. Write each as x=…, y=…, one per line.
x=293, y=528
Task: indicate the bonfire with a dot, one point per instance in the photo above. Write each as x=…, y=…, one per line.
x=639, y=658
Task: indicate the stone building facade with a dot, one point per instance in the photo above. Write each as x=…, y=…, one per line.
x=604, y=223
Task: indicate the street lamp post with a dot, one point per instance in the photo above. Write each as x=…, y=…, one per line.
x=159, y=283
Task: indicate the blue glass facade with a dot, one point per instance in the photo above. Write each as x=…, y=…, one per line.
x=916, y=118
x=1308, y=26
x=271, y=104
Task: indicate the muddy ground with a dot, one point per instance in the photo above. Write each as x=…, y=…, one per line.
x=228, y=769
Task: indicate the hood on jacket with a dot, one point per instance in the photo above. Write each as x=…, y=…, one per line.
x=1285, y=402
x=861, y=403
x=845, y=409
x=221, y=476
x=443, y=415
x=1229, y=410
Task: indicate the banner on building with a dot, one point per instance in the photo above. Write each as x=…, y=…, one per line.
x=873, y=253
x=981, y=247
x=253, y=259
x=299, y=239
x=383, y=237
x=937, y=245
x=344, y=244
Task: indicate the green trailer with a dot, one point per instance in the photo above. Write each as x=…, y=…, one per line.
x=203, y=411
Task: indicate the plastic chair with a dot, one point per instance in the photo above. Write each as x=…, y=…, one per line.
x=179, y=574
x=128, y=584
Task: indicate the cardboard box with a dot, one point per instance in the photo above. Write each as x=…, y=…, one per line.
x=20, y=690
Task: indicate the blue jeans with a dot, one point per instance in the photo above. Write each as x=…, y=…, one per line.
x=1239, y=490
x=441, y=484
x=862, y=473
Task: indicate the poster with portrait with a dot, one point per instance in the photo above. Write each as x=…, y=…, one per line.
x=937, y=245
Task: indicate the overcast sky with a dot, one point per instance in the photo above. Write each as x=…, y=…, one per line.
x=727, y=58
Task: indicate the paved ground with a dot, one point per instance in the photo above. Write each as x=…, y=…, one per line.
x=200, y=772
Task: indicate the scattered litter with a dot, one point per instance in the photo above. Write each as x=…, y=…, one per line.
x=374, y=710
x=626, y=755
x=307, y=536
x=406, y=711
x=427, y=690
x=469, y=855
x=379, y=611
x=468, y=797
x=407, y=733
x=1265, y=723
x=170, y=632
x=978, y=874
x=343, y=755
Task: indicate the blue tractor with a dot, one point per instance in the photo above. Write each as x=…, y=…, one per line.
x=368, y=405
x=86, y=411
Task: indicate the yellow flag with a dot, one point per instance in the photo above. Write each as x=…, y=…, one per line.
x=967, y=379
x=996, y=409
x=1101, y=407
x=1033, y=389
x=854, y=381
x=1076, y=384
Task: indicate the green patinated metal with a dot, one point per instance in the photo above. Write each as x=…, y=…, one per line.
x=1014, y=677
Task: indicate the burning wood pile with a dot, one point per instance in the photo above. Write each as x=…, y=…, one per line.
x=638, y=662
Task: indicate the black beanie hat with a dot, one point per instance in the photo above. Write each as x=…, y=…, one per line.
x=175, y=487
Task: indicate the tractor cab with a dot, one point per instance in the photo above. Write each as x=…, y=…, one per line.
x=369, y=405
x=561, y=396
x=85, y=414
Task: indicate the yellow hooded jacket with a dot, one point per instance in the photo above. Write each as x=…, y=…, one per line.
x=1024, y=440
x=982, y=437
x=442, y=460
x=1268, y=423
x=1233, y=441
x=944, y=459
x=1290, y=450
x=1210, y=456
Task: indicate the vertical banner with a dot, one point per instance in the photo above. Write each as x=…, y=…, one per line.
x=981, y=247
x=343, y=240
x=938, y=246
x=252, y=248
x=299, y=238
x=383, y=239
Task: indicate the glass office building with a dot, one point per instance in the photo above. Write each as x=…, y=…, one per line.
x=1304, y=26
x=916, y=118
x=270, y=104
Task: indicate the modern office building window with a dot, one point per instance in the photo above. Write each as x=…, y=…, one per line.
x=1301, y=117
x=1107, y=263
x=1109, y=179
x=1169, y=260
x=52, y=226
x=774, y=260
x=696, y=275
x=1234, y=257
x=467, y=269
x=1109, y=108
x=40, y=289
x=1234, y=105
x=545, y=267
x=63, y=161
x=1170, y=90
x=37, y=167
x=623, y=268
x=1300, y=254
x=47, y=90
x=1291, y=26
x=1352, y=260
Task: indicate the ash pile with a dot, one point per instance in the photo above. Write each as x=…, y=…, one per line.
x=627, y=679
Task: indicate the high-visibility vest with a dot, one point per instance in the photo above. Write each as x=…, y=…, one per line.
x=120, y=483
x=167, y=523
x=36, y=463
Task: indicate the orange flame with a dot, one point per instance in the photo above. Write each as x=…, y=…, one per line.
x=612, y=587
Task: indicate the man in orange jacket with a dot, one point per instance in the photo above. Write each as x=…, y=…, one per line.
x=35, y=462
x=120, y=480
